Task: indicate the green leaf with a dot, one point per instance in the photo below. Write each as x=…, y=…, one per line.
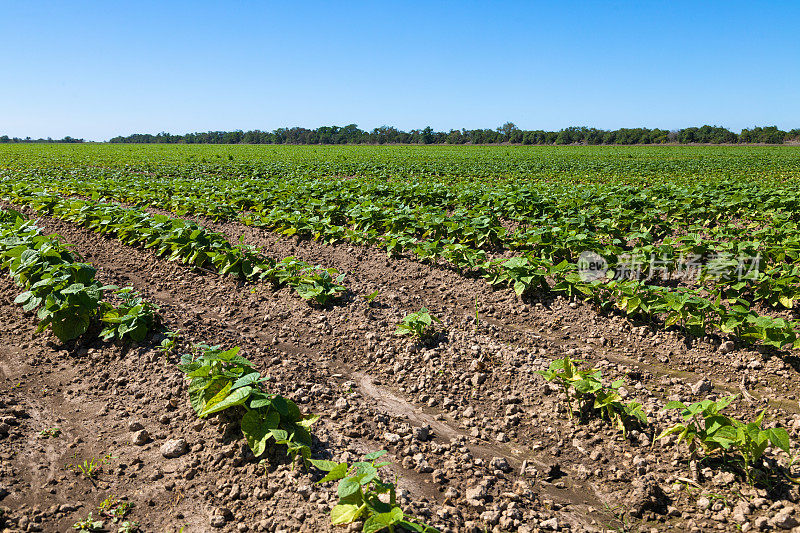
x=247, y=379
x=280, y=404
x=779, y=438
x=374, y=455
x=380, y=521
x=325, y=466
x=307, y=421
x=24, y=297
x=346, y=513
x=237, y=397
x=279, y=434
x=337, y=472
x=259, y=400
x=348, y=486
x=255, y=432
x=70, y=327
x=677, y=428
x=293, y=412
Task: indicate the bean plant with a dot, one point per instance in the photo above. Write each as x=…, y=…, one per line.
x=360, y=489
x=706, y=430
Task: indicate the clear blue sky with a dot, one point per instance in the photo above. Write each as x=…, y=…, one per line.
x=100, y=69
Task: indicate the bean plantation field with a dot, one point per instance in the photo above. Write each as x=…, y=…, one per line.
x=399, y=338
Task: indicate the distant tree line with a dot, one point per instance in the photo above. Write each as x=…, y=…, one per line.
x=507, y=133
x=67, y=139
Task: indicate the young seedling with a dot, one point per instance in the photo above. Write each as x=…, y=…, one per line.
x=89, y=524
x=359, y=494
x=168, y=345
x=128, y=527
x=90, y=468
x=49, y=433
x=705, y=429
x=565, y=373
x=417, y=324
x=114, y=509
x=264, y=464
x=320, y=284
x=586, y=388
x=133, y=318
x=370, y=297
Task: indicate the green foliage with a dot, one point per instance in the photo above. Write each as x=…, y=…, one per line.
x=359, y=490
x=522, y=273
x=63, y=290
x=705, y=429
x=513, y=217
x=320, y=284
x=114, y=509
x=507, y=133
x=586, y=388
x=128, y=526
x=133, y=318
x=221, y=380
x=371, y=296
x=49, y=433
x=169, y=343
x=418, y=324
x=191, y=244
x=88, y=524
x=90, y=468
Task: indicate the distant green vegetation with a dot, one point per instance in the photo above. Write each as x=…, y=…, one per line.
x=701, y=239
x=507, y=133
x=567, y=163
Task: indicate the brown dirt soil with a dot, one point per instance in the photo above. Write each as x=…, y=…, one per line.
x=478, y=439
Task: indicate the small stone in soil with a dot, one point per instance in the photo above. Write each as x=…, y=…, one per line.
x=174, y=448
x=141, y=437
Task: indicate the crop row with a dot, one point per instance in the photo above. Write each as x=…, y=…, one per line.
x=469, y=163
x=556, y=220
x=712, y=226
x=705, y=430
x=727, y=311
x=717, y=221
x=222, y=380
x=185, y=241
x=64, y=291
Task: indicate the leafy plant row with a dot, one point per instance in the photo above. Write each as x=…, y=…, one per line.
x=222, y=380
x=704, y=430
x=185, y=241
x=63, y=290
x=687, y=308
x=684, y=307
x=616, y=219
x=610, y=219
